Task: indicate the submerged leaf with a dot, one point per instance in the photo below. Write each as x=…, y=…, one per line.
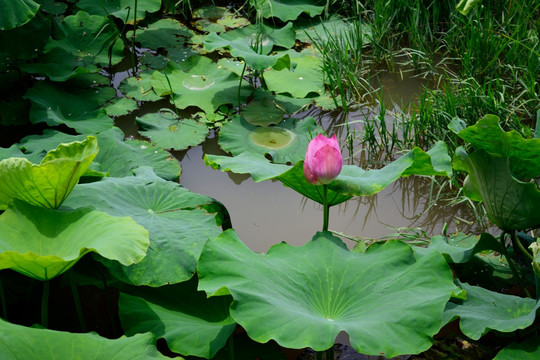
x=43, y=243
x=304, y=296
x=49, y=183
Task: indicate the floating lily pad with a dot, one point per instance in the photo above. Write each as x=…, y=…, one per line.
x=287, y=104
x=122, y=9
x=285, y=142
x=121, y=106
x=242, y=49
x=217, y=19
x=59, y=65
x=25, y=41
x=164, y=33
x=263, y=38
x=49, y=183
x=199, y=82
x=167, y=131
x=262, y=112
x=43, y=243
x=486, y=310
x=287, y=10
x=32, y=343
x=304, y=296
x=79, y=109
x=305, y=78
x=178, y=230
x=191, y=323
x=460, y=248
x=16, y=13
x=139, y=87
x=90, y=37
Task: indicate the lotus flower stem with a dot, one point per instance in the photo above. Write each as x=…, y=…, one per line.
x=240, y=83
x=512, y=265
x=326, y=208
x=45, y=305
x=77, y=301
x=230, y=343
x=519, y=245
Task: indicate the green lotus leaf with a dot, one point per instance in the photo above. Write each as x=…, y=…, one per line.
x=139, y=87
x=117, y=157
x=486, y=310
x=355, y=181
x=122, y=9
x=304, y=296
x=305, y=78
x=178, y=230
x=167, y=131
x=121, y=106
x=49, y=183
x=79, y=110
x=487, y=135
x=287, y=104
x=465, y=6
x=285, y=142
x=242, y=49
x=90, y=37
x=53, y=7
x=24, y=41
x=460, y=248
x=16, y=13
x=164, y=33
x=199, y=82
x=287, y=10
x=527, y=350
x=263, y=38
x=59, y=65
x=510, y=204
x=21, y=342
x=217, y=19
x=44, y=243
x=262, y=112
x=191, y=323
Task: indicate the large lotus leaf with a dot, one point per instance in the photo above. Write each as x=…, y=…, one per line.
x=117, y=157
x=287, y=104
x=164, y=33
x=527, y=350
x=263, y=112
x=80, y=110
x=305, y=78
x=191, y=323
x=486, y=310
x=178, y=230
x=49, y=183
x=24, y=41
x=287, y=10
x=510, y=204
x=43, y=243
x=59, y=65
x=16, y=13
x=203, y=84
x=243, y=49
x=90, y=37
x=122, y=9
x=487, y=135
x=285, y=142
x=355, y=181
x=217, y=19
x=460, y=248
x=263, y=38
x=167, y=131
x=139, y=87
x=304, y=296
x=26, y=343
x=121, y=106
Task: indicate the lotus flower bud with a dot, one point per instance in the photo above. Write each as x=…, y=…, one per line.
x=323, y=160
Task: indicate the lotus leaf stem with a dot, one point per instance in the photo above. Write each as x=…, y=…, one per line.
x=512, y=265
x=45, y=304
x=519, y=245
x=109, y=306
x=77, y=301
x=240, y=83
x=230, y=343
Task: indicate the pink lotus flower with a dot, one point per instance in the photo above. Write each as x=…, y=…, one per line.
x=323, y=160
